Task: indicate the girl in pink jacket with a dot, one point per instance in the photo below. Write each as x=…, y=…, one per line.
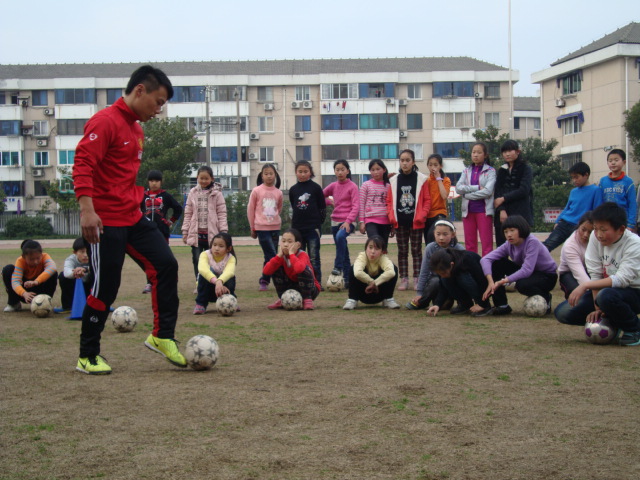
x=205, y=215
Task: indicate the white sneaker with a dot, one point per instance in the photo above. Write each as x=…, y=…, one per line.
x=13, y=308
x=350, y=305
x=390, y=303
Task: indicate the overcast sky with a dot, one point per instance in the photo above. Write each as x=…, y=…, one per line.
x=116, y=31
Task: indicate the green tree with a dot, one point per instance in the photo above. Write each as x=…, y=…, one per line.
x=3, y=197
x=170, y=148
x=632, y=126
x=493, y=139
x=61, y=193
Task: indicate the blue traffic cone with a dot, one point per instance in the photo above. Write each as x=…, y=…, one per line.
x=79, y=301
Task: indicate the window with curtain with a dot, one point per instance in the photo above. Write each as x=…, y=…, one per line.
x=414, y=91
x=492, y=118
x=10, y=128
x=39, y=98
x=572, y=83
x=75, y=96
x=378, y=121
x=382, y=151
x=414, y=121
x=40, y=128
x=492, y=90
x=227, y=124
x=65, y=157
x=10, y=159
x=303, y=123
x=453, y=120
x=451, y=149
x=418, y=150
x=303, y=92
x=339, y=122
x=452, y=89
x=303, y=152
x=41, y=159
x=339, y=91
x=265, y=124
x=336, y=152
x=73, y=126
x=265, y=94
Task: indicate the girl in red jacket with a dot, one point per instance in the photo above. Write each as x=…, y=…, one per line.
x=291, y=269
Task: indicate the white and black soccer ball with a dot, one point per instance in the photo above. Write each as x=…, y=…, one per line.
x=535, y=306
x=201, y=352
x=335, y=283
x=41, y=305
x=124, y=319
x=291, y=300
x=226, y=305
x=600, y=332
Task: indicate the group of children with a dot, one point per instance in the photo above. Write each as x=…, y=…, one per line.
x=411, y=206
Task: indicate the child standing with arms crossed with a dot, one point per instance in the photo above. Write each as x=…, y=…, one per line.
x=309, y=211
x=263, y=212
x=217, y=268
x=476, y=186
x=346, y=203
x=373, y=203
x=439, y=185
x=205, y=215
x=408, y=205
x=619, y=188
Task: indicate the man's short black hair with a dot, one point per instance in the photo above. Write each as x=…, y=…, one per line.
x=518, y=222
x=580, y=168
x=154, y=175
x=78, y=244
x=610, y=212
x=152, y=78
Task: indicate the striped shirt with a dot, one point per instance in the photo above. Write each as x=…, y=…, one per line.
x=23, y=272
x=373, y=198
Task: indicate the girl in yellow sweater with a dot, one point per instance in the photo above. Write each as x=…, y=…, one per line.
x=217, y=269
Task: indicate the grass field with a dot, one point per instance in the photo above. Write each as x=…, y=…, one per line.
x=326, y=394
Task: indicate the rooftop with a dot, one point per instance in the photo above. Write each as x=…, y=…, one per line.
x=527, y=104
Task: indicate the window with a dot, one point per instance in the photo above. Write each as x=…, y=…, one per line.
x=71, y=126
x=418, y=150
x=41, y=159
x=414, y=121
x=339, y=122
x=570, y=159
x=516, y=123
x=188, y=94
x=266, y=154
x=13, y=188
x=571, y=125
x=39, y=98
x=572, y=83
x=536, y=124
x=40, y=128
x=40, y=188
x=265, y=124
x=8, y=98
x=414, y=91
x=225, y=93
x=383, y=151
x=9, y=128
x=75, y=96
x=376, y=90
x=451, y=149
x=338, y=91
x=303, y=152
x=3, y=97
x=265, y=94
x=453, y=120
x=303, y=123
x=303, y=93
x=493, y=118
x=379, y=121
x=113, y=94
x=452, y=89
x=227, y=124
x=227, y=154
x=194, y=123
x=336, y=152
x=492, y=90
x=65, y=157
x=10, y=159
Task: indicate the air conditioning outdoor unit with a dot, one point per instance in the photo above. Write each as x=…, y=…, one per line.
x=307, y=104
x=478, y=95
x=26, y=131
x=43, y=142
x=295, y=104
x=37, y=172
x=49, y=111
x=253, y=156
x=560, y=102
x=24, y=103
x=390, y=101
x=403, y=102
x=268, y=106
x=403, y=133
x=298, y=135
x=254, y=136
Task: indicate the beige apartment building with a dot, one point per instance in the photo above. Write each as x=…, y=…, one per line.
x=584, y=96
x=289, y=110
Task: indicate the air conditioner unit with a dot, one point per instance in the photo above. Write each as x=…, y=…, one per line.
x=49, y=111
x=24, y=103
x=37, y=172
x=268, y=106
x=254, y=136
x=43, y=142
x=479, y=95
x=403, y=133
x=560, y=102
x=390, y=101
x=403, y=102
x=26, y=131
x=253, y=156
x=307, y=104
x=295, y=104
x=298, y=135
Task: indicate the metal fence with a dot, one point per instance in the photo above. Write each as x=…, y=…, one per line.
x=63, y=223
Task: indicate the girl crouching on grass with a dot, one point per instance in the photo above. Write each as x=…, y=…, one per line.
x=572, y=269
x=217, y=269
x=462, y=279
x=291, y=269
x=373, y=276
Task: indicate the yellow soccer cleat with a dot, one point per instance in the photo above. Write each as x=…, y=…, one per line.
x=168, y=347
x=93, y=365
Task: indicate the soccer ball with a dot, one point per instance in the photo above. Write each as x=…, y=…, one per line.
x=335, y=283
x=201, y=352
x=535, y=306
x=124, y=319
x=41, y=305
x=600, y=331
x=226, y=305
x=291, y=300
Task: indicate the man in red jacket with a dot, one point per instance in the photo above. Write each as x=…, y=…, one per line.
x=106, y=164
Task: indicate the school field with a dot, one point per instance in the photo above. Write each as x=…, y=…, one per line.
x=325, y=394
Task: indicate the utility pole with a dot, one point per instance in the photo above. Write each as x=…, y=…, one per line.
x=236, y=96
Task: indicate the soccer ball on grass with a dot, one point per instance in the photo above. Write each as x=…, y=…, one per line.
x=535, y=306
x=41, y=305
x=291, y=300
x=124, y=319
x=226, y=305
x=335, y=283
x=201, y=352
x=600, y=332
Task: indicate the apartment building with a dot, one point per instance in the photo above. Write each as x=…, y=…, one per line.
x=526, y=117
x=584, y=96
x=289, y=110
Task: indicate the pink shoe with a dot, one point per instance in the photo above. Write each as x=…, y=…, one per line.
x=404, y=284
x=275, y=305
x=199, y=310
x=307, y=304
